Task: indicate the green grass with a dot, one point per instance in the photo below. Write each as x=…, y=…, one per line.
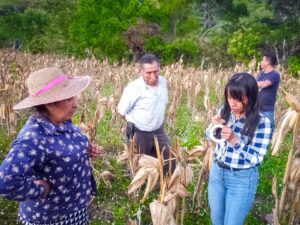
x=107, y=89
x=186, y=129
x=109, y=136
x=8, y=209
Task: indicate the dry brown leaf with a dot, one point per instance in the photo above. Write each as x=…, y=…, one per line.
x=187, y=175
x=123, y=156
x=292, y=100
x=176, y=176
x=180, y=189
x=151, y=182
x=196, y=152
x=107, y=175
x=160, y=214
x=148, y=161
x=139, y=179
x=170, y=195
x=293, y=120
x=172, y=205
x=295, y=171
x=281, y=131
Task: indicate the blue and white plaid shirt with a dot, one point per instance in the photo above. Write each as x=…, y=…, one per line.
x=243, y=155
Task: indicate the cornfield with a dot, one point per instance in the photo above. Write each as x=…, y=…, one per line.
x=203, y=92
x=287, y=207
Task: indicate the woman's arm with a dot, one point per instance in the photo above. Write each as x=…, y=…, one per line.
x=18, y=171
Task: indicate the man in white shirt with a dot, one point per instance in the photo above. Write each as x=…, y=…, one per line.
x=143, y=105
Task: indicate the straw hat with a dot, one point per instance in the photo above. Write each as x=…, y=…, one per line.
x=51, y=85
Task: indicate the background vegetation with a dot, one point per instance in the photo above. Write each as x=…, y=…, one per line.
x=218, y=32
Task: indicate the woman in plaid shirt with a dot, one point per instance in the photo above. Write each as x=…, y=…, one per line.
x=234, y=175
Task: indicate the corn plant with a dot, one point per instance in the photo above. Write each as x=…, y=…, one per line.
x=288, y=206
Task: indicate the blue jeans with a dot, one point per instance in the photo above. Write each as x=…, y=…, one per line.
x=270, y=116
x=231, y=194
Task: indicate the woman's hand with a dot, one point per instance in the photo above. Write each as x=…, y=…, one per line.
x=46, y=185
x=229, y=135
x=94, y=150
x=217, y=119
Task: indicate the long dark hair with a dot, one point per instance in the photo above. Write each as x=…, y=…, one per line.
x=242, y=85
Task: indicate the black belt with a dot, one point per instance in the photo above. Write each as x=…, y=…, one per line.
x=226, y=167
x=134, y=129
x=131, y=129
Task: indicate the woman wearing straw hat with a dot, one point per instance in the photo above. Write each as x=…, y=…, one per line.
x=47, y=169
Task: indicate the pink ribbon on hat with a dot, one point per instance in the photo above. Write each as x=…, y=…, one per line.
x=51, y=85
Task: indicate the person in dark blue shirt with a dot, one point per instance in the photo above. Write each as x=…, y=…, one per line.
x=48, y=169
x=268, y=82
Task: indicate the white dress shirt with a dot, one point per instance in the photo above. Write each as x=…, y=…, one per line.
x=144, y=105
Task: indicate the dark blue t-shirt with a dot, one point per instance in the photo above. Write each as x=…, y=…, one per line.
x=267, y=96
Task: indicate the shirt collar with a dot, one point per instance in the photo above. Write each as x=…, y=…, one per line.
x=143, y=82
x=50, y=127
x=233, y=120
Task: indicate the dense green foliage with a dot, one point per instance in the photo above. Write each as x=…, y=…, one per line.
x=218, y=31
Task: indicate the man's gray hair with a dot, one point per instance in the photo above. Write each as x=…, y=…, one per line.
x=149, y=59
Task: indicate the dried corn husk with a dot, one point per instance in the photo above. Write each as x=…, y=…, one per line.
x=187, y=175
x=139, y=179
x=169, y=196
x=160, y=214
x=148, y=161
x=148, y=171
x=196, y=152
x=179, y=189
x=151, y=182
x=172, y=205
x=176, y=176
x=292, y=100
x=295, y=171
x=282, y=129
x=107, y=175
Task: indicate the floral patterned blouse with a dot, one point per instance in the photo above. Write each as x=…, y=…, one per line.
x=57, y=154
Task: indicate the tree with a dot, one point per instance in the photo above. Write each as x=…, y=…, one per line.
x=244, y=44
x=99, y=24
x=36, y=23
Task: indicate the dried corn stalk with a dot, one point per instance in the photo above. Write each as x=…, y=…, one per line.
x=131, y=156
x=274, y=192
x=285, y=125
x=203, y=176
x=288, y=206
x=150, y=169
